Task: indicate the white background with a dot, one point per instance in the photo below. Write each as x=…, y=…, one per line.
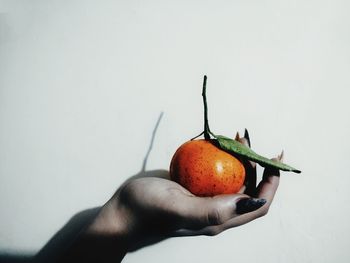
x=82, y=84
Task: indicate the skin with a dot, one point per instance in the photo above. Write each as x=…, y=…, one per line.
x=147, y=210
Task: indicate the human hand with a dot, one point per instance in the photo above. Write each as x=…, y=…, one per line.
x=148, y=209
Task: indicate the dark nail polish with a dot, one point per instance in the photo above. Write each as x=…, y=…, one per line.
x=247, y=205
x=246, y=135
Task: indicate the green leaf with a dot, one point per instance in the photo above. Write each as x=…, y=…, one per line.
x=238, y=148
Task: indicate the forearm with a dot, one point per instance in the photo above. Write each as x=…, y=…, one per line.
x=105, y=239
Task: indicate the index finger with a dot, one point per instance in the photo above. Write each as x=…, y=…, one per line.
x=268, y=186
x=266, y=190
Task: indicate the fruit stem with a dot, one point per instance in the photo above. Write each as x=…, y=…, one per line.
x=207, y=131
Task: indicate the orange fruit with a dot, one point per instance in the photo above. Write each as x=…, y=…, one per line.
x=205, y=170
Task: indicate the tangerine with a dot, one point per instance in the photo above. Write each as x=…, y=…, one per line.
x=206, y=170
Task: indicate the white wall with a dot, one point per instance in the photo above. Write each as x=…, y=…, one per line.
x=82, y=84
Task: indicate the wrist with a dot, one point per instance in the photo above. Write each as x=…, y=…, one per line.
x=105, y=239
x=112, y=220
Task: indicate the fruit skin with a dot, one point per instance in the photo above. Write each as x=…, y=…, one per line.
x=205, y=170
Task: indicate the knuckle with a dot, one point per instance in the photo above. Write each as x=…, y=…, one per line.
x=126, y=192
x=214, y=217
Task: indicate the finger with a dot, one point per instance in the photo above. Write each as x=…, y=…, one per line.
x=245, y=140
x=247, y=137
x=249, y=204
x=271, y=171
x=250, y=167
x=237, y=137
x=198, y=212
x=268, y=186
x=280, y=157
x=244, y=205
x=250, y=178
x=266, y=191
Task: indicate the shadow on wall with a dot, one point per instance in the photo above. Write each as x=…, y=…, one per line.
x=59, y=243
x=15, y=258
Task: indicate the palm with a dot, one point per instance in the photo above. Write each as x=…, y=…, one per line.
x=167, y=207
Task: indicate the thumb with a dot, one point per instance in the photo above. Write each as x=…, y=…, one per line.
x=209, y=211
x=212, y=216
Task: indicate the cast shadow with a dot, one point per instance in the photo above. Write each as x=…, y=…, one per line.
x=60, y=242
x=15, y=258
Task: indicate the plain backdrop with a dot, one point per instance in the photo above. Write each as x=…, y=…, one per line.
x=82, y=84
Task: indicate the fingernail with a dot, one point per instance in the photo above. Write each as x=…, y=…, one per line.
x=247, y=205
x=246, y=135
x=237, y=136
x=280, y=157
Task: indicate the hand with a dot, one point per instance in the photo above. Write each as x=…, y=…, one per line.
x=148, y=209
